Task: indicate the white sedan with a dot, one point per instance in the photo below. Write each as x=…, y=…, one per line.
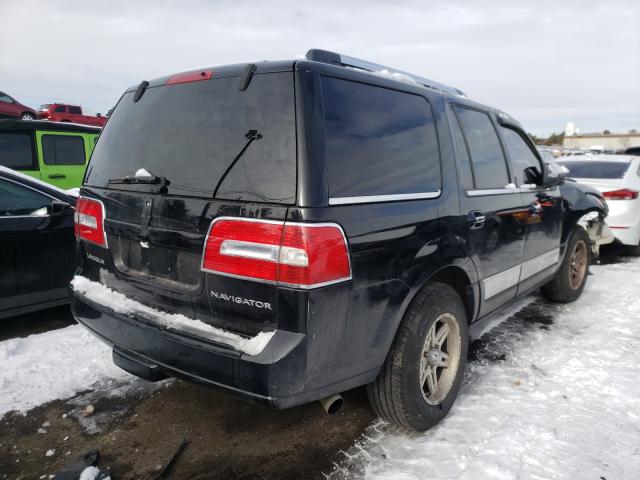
x=618, y=178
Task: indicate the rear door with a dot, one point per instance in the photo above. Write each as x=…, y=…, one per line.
x=495, y=215
x=545, y=212
x=62, y=157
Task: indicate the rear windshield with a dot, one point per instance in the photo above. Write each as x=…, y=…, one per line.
x=191, y=133
x=595, y=169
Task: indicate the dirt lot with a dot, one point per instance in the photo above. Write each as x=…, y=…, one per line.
x=137, y=436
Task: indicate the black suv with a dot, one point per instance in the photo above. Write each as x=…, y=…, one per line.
x=289, y=230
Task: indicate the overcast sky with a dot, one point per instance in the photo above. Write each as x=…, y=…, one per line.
x=544, y=62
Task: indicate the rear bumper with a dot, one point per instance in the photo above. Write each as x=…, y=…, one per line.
x=279, y=376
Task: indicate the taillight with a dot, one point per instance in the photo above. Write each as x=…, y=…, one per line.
x=89, y=221
x=305, y=255
x=622, y=194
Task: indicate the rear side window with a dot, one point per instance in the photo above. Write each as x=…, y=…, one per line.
x=61, y=109
x=75, y=110
x=487, y=159
x=15, y=151
x=378, y=141
x=16, y=200
x=63, y=150
x=521, y=155
x=595, y=169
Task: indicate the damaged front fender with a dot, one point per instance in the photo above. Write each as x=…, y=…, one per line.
x=585, y=206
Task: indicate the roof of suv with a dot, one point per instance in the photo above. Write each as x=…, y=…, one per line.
x=31, y=125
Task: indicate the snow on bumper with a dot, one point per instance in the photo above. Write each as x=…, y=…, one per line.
x=119, y=303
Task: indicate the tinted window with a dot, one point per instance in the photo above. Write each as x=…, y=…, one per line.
x=75, y=110
x=61, y=108
x=15, y=151
x=378, y=141
x=5, y=98
x=595, y=169
x=487, y=159
x=521, y=156
x=192, y=132
x=463, y=162
x=63, y=150
x=18, y=200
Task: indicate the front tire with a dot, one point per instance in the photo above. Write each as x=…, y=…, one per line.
x=421, y=376
x=569, y=282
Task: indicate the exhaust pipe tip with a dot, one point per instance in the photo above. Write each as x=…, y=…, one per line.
x=332, y=404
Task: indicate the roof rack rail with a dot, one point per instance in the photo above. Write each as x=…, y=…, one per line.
x=325, y=56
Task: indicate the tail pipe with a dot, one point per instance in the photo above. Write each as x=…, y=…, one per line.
x=332, y=404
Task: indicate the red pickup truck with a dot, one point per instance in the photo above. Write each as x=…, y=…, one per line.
x=59, y=112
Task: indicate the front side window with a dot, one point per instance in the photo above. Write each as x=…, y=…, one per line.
x=75, y=110
x=487, y=158
x=378, y=141
x=63, y=150
x=61, y=109
x=15, y=151
x=16, y=200
x=522, y=157
x=5, y=98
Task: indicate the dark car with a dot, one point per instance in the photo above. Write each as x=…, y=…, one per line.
x=11, y=108
x=37, y=245
x=285, y=231
x=632, y=151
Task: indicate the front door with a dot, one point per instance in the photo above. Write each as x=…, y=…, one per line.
x=36, y=248
x=545, y=210
x=495, y=216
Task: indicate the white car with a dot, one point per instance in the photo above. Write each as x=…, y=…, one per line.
x=618, y=178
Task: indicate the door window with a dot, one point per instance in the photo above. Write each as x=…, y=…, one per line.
x=487, y=159
x=5, y=98
x=522, y=157
x=378, y=141
x=61, y=109
x=75, y=110
x=63, y=150
x=16, y=200
x=15, y=151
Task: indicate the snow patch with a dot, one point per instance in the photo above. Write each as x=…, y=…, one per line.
x=143, y=172
x=563, y=403
x=397, y=76
x=56, y=364
x=119, y=303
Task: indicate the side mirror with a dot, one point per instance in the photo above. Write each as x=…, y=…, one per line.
x=533, y=176
x=554, y=174
x=58, y=208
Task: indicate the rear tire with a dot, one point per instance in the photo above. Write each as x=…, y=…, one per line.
x=421, y=376
x=27, y=116
x=569, y=282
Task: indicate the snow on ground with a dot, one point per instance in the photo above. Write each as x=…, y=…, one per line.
x=543, y=400
x=56, y=364
x=119, y=303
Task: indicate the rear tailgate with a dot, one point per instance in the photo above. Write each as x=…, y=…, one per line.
x=198, y=136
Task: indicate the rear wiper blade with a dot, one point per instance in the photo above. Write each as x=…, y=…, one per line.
x=161, y=181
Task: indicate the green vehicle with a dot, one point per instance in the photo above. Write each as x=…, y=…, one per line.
x=56, y=153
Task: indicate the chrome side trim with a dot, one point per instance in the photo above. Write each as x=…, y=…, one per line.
x=383, y=198
x=539, y=263
x=492, y=191
x=500, y=282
